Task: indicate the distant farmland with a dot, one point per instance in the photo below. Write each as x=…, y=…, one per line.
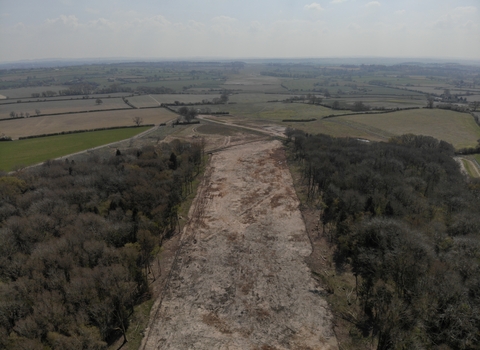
x=66, y=106
x=51, y=124
x=28, y=91
x=32, y=151
x=275, y=112
x=156, y=99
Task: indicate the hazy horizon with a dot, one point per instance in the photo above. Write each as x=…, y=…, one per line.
x=222, y=29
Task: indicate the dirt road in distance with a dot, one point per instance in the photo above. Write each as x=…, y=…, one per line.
x=240, y=280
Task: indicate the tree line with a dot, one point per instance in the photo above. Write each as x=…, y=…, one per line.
x=77, y=240
x=406, y=223
x=14, y=114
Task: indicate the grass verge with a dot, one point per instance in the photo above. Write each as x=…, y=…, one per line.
x=138, y=323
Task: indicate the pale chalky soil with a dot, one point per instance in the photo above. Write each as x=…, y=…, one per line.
x=240, y=281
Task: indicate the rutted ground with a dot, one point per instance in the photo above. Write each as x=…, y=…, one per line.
x=240, y=280
x=472, y=168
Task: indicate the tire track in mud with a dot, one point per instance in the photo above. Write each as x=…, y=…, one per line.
x=239, y=280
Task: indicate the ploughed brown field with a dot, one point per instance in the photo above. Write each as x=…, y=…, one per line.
x=82, y=121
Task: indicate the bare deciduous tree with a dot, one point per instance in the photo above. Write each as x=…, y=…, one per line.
x=137, y=121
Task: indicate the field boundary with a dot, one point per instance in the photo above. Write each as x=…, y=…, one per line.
x=82, y=131
x=298, y=120
x=371, y=112
x=44, y=99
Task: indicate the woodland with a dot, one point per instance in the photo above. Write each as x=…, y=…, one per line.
x=405, y=222
x=78, y=240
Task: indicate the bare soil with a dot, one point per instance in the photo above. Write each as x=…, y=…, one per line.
x=240, y=278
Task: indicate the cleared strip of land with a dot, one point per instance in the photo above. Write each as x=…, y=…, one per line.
x=240, y=280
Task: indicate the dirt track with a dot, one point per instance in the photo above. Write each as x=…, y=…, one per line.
x=240, y=280
x=473, y=167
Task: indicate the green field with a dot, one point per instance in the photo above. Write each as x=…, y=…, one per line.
x=32, y=151
x=300, y=84
x=252, y=98
x=457, y=128
x=153, y=100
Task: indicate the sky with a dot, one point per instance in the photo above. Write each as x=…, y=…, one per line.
x=185, y=29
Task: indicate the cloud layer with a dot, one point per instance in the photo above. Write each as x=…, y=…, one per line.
x=219, y=28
